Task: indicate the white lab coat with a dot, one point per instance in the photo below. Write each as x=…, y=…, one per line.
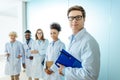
x=37, y=67
x=85, y=48
x=52, y=54
x=13, y=64
x=27, y=61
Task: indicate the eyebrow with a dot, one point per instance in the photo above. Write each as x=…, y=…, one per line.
x=74, y=16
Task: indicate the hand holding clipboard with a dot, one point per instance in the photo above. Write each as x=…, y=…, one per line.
x=68, y=60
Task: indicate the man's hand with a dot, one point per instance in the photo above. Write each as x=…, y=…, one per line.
x=31, y=57
x=49, y=72
x=19, y=56
x=60, y=70
x=24, y=66
x=34, y=51
x=7, y=55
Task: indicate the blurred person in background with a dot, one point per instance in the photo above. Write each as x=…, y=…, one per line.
x=53, y=53
x=27, y=62
x=38, y=51
x=14, y=51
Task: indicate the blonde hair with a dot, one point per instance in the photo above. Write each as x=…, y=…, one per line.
x=13, y=33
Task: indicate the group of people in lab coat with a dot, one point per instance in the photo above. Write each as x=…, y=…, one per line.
x=34, y=55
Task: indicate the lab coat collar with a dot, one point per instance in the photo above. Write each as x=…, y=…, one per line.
x=55, y=41
x=79, y=35
x=29, y=40
x=39, y=40
x=76, y=37
x=13, y=42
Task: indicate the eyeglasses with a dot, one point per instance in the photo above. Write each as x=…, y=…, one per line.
x=78, y=17
x=39, y=33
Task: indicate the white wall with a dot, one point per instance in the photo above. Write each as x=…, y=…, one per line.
x=8, y=24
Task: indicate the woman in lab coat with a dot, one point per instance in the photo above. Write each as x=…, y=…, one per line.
x=53, y=53
x=27, y=58
x=14, y=52
x=38, y=52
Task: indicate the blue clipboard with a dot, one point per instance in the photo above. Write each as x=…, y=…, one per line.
x=68, y=60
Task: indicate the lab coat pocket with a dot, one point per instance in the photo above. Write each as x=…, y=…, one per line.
x=15, y=61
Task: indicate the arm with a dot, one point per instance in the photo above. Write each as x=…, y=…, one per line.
x=23, y=58
x=7, y=54
x=44, y=49
x=54, y=67
x=21, y=53
x=45, y=68
x=33, y=50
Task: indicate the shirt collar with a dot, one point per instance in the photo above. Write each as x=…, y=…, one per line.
x=79, y=35
x=29, y=40
x=55, y=41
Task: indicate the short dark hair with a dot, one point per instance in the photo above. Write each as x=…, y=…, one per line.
x=55, y=26
x=78, y=8
x=28, y=31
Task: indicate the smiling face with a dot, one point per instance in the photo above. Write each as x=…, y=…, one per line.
x=54, y=34
x=27, y=36
x=39, y=34
x=76, y=21
x=12, y=38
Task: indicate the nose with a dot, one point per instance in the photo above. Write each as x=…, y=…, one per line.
x=74, y=20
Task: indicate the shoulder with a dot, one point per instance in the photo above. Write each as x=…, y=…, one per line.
x=7, y=43
x=61, y=43
x=89, y=40
x=31, y=40
x=19, y=43
x=46, y=41
x=34, y=42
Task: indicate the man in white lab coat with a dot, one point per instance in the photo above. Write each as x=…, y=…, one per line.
x=14, y=52
x=27, y=61
x=83, y=47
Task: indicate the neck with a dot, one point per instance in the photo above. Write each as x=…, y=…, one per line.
x=75, y=32
x=55, y=39
x=28, y=39
x=39, y=39
x=12, y=41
